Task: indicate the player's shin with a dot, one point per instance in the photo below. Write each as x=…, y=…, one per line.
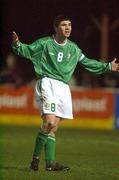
x=41, y=140
x=50, y=150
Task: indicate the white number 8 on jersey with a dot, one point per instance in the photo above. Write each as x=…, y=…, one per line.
x=60, y=57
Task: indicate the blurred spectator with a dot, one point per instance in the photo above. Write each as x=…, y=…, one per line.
x=85, y=79
x=112, y=80
x=16, y=74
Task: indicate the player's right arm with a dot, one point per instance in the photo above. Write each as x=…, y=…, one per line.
x=15, y=39
x=24, y=50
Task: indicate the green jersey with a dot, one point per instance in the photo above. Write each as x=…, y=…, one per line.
x=57, y=61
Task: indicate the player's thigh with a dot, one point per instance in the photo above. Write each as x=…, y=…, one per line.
x=45, y=98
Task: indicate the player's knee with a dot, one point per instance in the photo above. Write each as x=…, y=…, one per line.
x=48, y=126
x=54, y=129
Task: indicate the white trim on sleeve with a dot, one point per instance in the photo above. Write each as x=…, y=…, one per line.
x=82, y=57
x=110, y=66
x=18, y=44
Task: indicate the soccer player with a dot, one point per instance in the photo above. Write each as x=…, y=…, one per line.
x=54, y=59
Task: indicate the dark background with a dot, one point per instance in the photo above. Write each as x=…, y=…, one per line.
x=32, y=19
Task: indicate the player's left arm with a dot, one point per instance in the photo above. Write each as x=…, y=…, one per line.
x=98, y=67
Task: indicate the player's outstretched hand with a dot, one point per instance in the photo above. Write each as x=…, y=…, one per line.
x=115, y=64
x=15, y=38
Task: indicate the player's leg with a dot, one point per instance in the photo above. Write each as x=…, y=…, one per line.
x=62, y=108
x=51, y=165
x=42, y=135
x=51, y=140
x=49, y=122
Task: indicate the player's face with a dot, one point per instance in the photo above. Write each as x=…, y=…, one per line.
x=64, y=28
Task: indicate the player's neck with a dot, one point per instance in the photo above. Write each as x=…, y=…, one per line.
x=59, y=39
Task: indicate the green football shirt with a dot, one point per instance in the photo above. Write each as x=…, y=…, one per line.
x=57, y=61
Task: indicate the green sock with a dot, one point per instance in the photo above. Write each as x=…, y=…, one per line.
x=50, y=150
x=41, y=140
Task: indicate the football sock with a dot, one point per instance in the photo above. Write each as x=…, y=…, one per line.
x=50, y=150
x=41, y=139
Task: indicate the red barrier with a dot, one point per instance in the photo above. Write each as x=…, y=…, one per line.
x=93, y=103
x=17, y=101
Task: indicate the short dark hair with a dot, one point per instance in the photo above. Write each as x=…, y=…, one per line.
x=60, y=18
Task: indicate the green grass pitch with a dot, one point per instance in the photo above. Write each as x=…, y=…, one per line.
x=91, y=154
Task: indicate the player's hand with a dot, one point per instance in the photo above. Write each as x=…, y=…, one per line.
x=15, y=38
x=115, y=64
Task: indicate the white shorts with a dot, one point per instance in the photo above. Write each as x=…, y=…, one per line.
x=54, y=97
